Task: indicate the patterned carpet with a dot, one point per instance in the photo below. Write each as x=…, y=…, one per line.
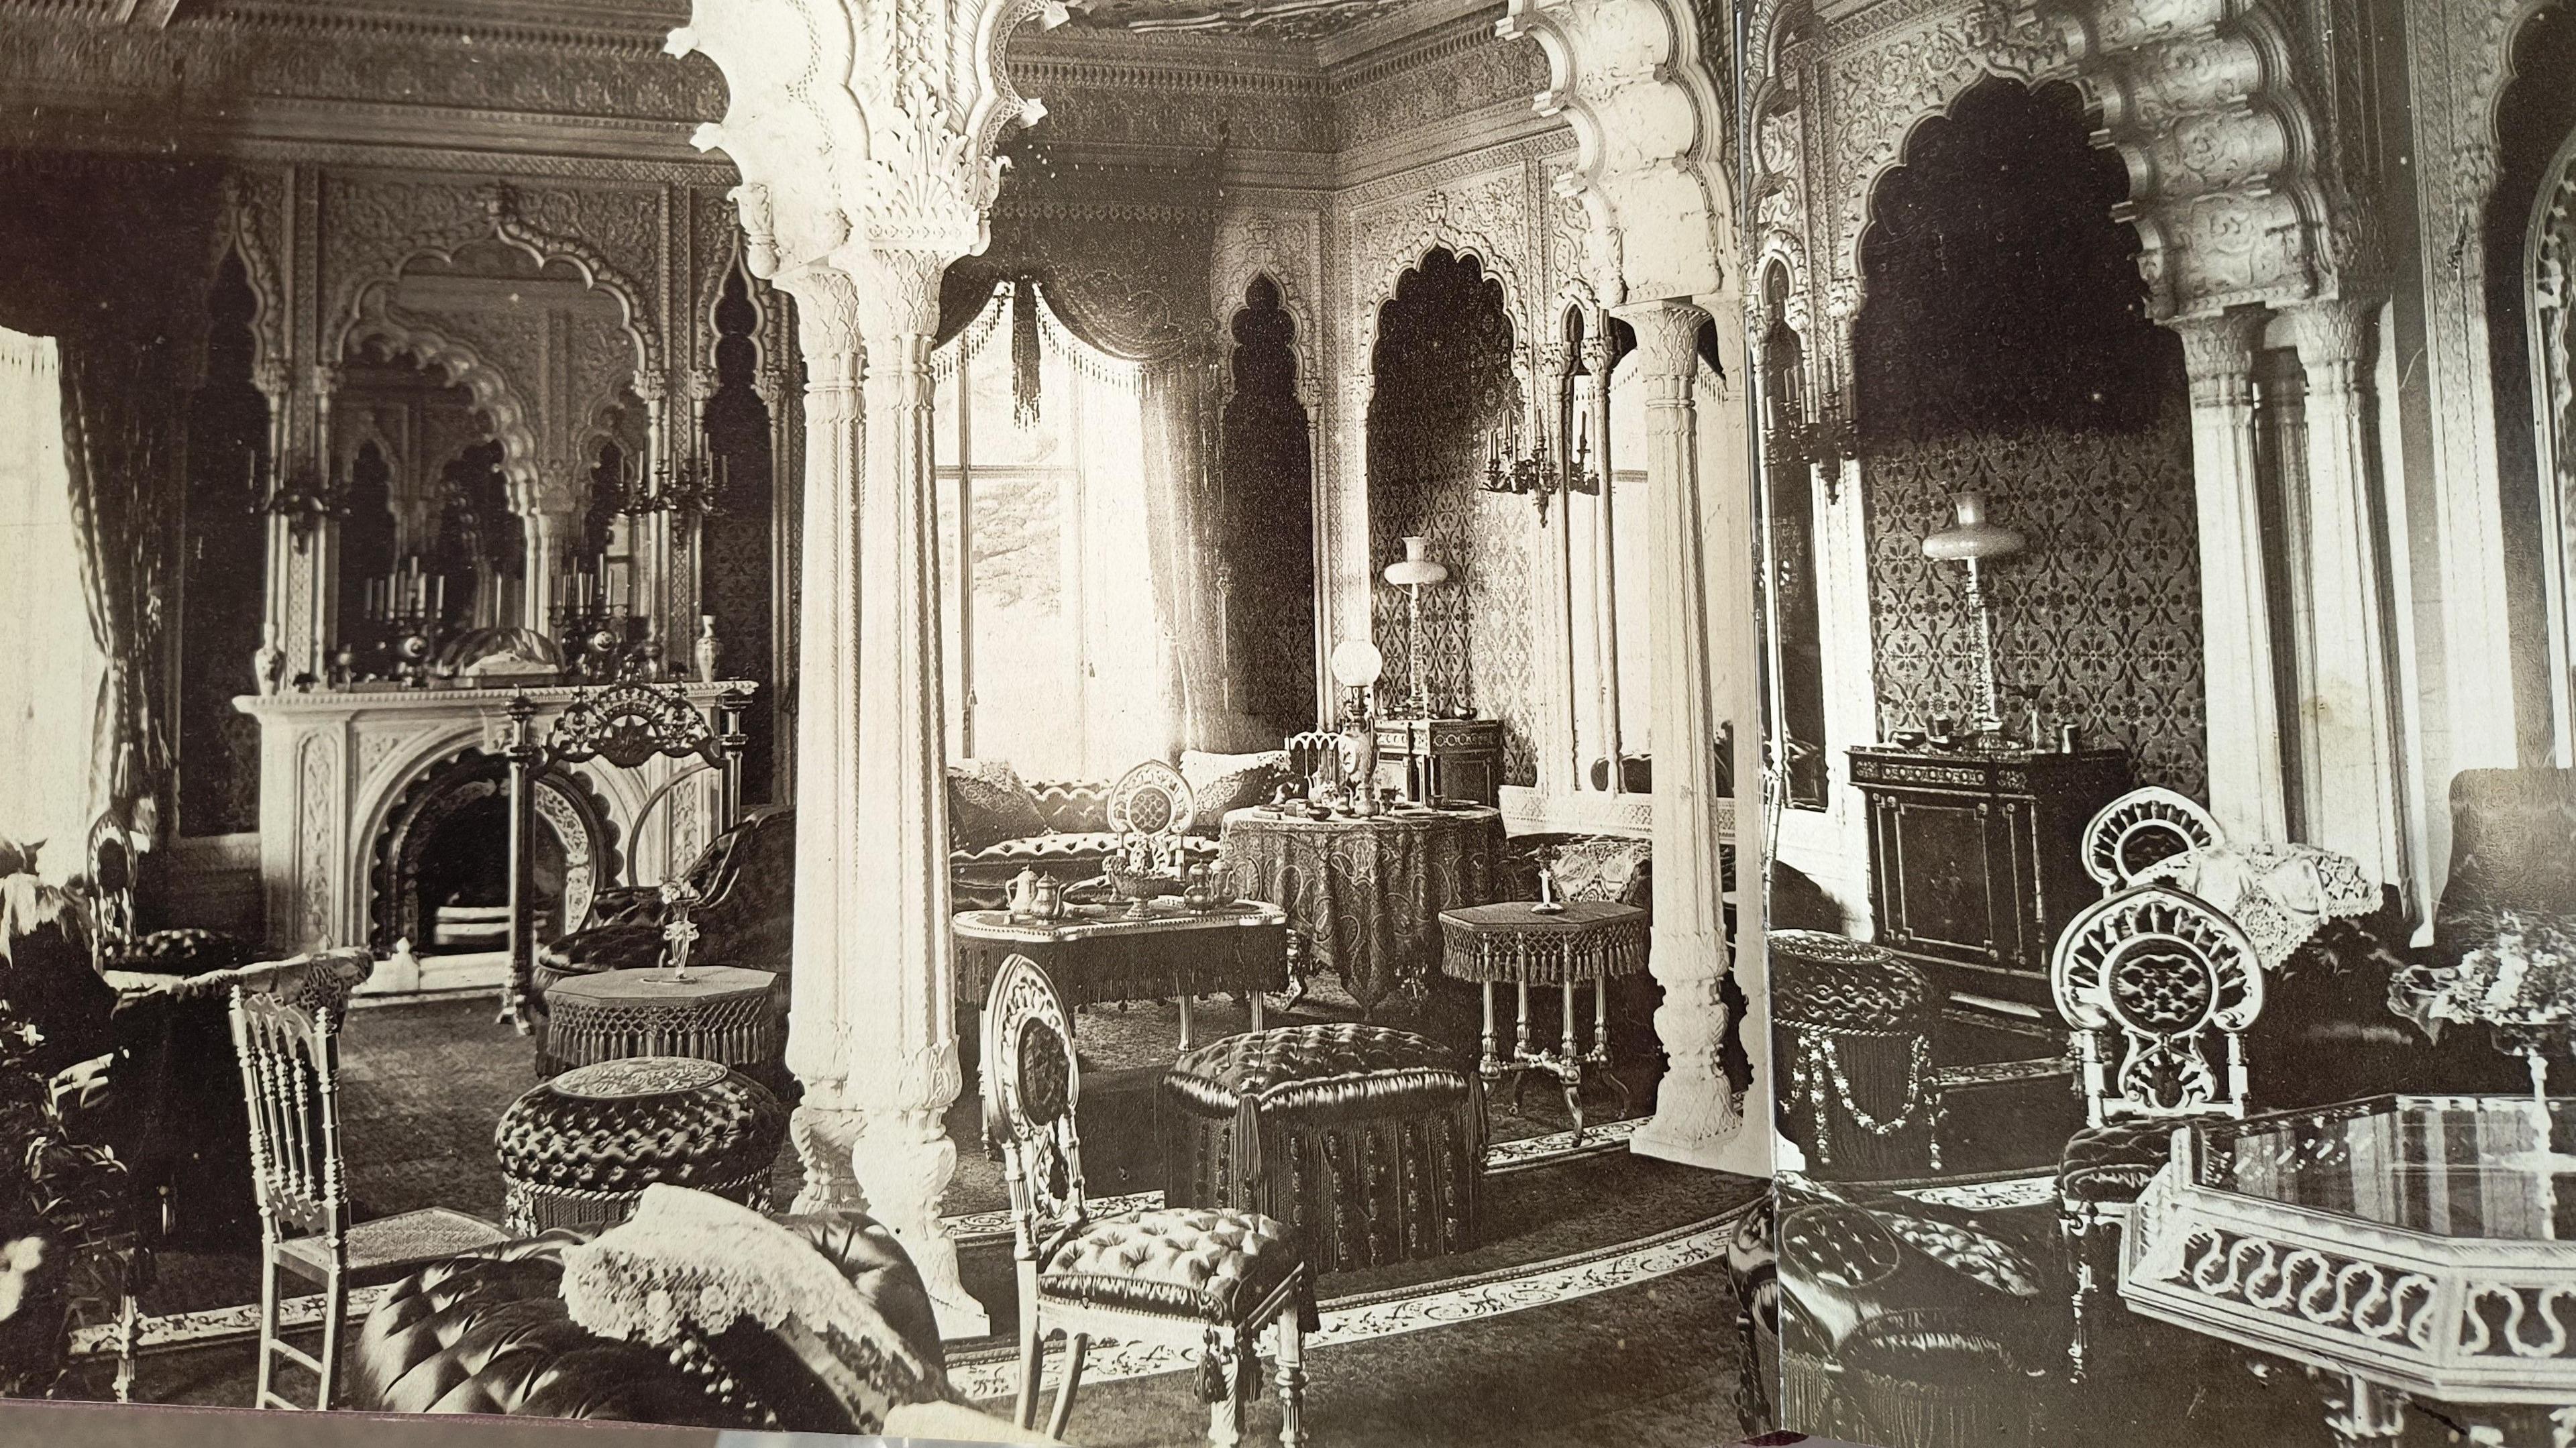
x=1581, y=1245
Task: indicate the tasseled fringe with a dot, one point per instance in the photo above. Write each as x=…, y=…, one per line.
x=1024, y=352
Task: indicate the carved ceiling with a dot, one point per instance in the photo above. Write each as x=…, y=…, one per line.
x=1276, y=20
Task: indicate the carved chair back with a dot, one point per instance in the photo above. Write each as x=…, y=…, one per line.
x=1152, y=799
x=290, y=1067
x=2141, y=827
x=110, y=857
x=2159, y=987
x=1031, y=1086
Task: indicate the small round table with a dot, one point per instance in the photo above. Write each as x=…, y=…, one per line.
x=719, y=1013
x=1519, y=944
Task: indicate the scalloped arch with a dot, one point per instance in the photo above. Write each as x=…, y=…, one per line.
x=1465, y=244
x=1303, y=338
x=487, y=384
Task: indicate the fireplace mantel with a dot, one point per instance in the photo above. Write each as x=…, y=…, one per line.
x=335, y=763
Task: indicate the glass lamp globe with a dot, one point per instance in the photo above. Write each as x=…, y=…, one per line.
x=1357, y=664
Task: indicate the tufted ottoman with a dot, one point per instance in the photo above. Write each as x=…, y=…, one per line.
x=1862, y=1099
x=578, y=1150
x=1368, y=1141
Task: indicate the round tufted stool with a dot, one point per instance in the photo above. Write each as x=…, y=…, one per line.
x=578, y=1150
x=1862, y=1099
x=1367, y=1140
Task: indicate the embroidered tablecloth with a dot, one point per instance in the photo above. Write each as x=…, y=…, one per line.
x=1365, y=895
x=2281, y=894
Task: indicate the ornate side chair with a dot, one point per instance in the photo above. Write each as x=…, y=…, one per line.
x=115, y=850
x=2140, y=828
x=290, y=1065
x=1206, y=1279
x=1313, y=753
x=2158, y=988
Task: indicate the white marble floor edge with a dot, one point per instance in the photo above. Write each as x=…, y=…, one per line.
x=211, y=1325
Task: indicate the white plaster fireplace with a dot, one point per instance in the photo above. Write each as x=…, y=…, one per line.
x=354, y=781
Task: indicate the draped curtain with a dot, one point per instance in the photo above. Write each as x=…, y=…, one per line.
x=51, y=677
x=1132, y=281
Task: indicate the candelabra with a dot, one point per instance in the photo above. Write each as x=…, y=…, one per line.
x=595, y=636
x=410, y=606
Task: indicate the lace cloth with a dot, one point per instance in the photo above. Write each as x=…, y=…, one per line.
x=2281, y=894
x=689, y=1257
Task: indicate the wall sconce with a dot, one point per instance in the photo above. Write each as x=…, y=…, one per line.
x=1973, y=540
x=1827, y=441
x=305, y=503
x=1534, y=474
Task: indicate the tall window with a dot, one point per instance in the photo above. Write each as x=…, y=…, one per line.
x=49, y=678
x=1055, y=661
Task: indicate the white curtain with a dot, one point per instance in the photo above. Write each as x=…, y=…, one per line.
x=51, y=667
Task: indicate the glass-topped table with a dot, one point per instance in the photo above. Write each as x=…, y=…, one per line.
x=2401, y=1245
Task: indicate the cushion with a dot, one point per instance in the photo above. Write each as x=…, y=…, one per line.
x=1599, y=868
x=628, y=946
x=1346, y=1070
x=988, y=804
x=1225, y=782
x=1207, y=1263
x=1834, y=983
x=2114, y=1161
x=623, y=1125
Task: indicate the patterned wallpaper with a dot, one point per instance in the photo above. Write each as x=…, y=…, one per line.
x=1443, y=369
x=2100, y=613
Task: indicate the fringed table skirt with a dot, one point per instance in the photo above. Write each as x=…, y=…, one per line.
x=1863, y=1100
x=718, y=1013
x=1368, y=1141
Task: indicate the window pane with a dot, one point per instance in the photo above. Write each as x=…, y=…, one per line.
x=1028, y=706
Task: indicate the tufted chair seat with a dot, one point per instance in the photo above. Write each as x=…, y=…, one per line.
x=1214, y=1264
x=488, y=1333
x=182, y=951
x=1368, y=1140
x=2113, y=1162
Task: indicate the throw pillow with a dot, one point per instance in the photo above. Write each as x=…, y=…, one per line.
x=988, y=804
x=1222, y=782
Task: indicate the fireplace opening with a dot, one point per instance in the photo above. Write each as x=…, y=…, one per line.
x=464, y=880
x=442, y=870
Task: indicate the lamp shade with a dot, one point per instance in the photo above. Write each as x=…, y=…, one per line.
x=1413, y=568
x=1357, y=663
x=1972, y=537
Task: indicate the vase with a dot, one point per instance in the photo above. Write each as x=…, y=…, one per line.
x=703, y=653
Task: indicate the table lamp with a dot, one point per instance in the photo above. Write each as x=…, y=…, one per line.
x=1356, y=667
x=1973, y=540
x=1410, y=573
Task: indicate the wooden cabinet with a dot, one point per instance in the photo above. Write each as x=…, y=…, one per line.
x=1460, y=759
x=1975, y=860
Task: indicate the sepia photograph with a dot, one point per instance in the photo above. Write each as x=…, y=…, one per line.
x=1407, y=723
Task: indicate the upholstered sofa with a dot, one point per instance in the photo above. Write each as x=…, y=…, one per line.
x=1073, y=845
x=489, y=1333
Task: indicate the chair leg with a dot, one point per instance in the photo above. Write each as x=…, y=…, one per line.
x=267, y=1317
x=1063, y=1413
x=1032, y=1361
x=1292, y=1379
x=1225, y=1403
x=129, y=1326
x=335, y=1313
x=2072, y=1228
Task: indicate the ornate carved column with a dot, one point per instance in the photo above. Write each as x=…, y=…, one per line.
x=858, y=191
x=1347, y=581
x=550, y=526
x=2247, y=790
x=2347, y=709
x=1696, y=1120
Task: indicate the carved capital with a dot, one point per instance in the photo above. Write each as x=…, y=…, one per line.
x=2218, y=354
x=1667, y=349
x=861, y=125
x=1650, y=121
x=2334, y=332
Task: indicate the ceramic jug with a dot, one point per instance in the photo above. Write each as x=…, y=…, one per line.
x=1023, y=895
x=1046, y=899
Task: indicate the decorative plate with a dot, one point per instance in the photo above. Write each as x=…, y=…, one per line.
x=1152, y=799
